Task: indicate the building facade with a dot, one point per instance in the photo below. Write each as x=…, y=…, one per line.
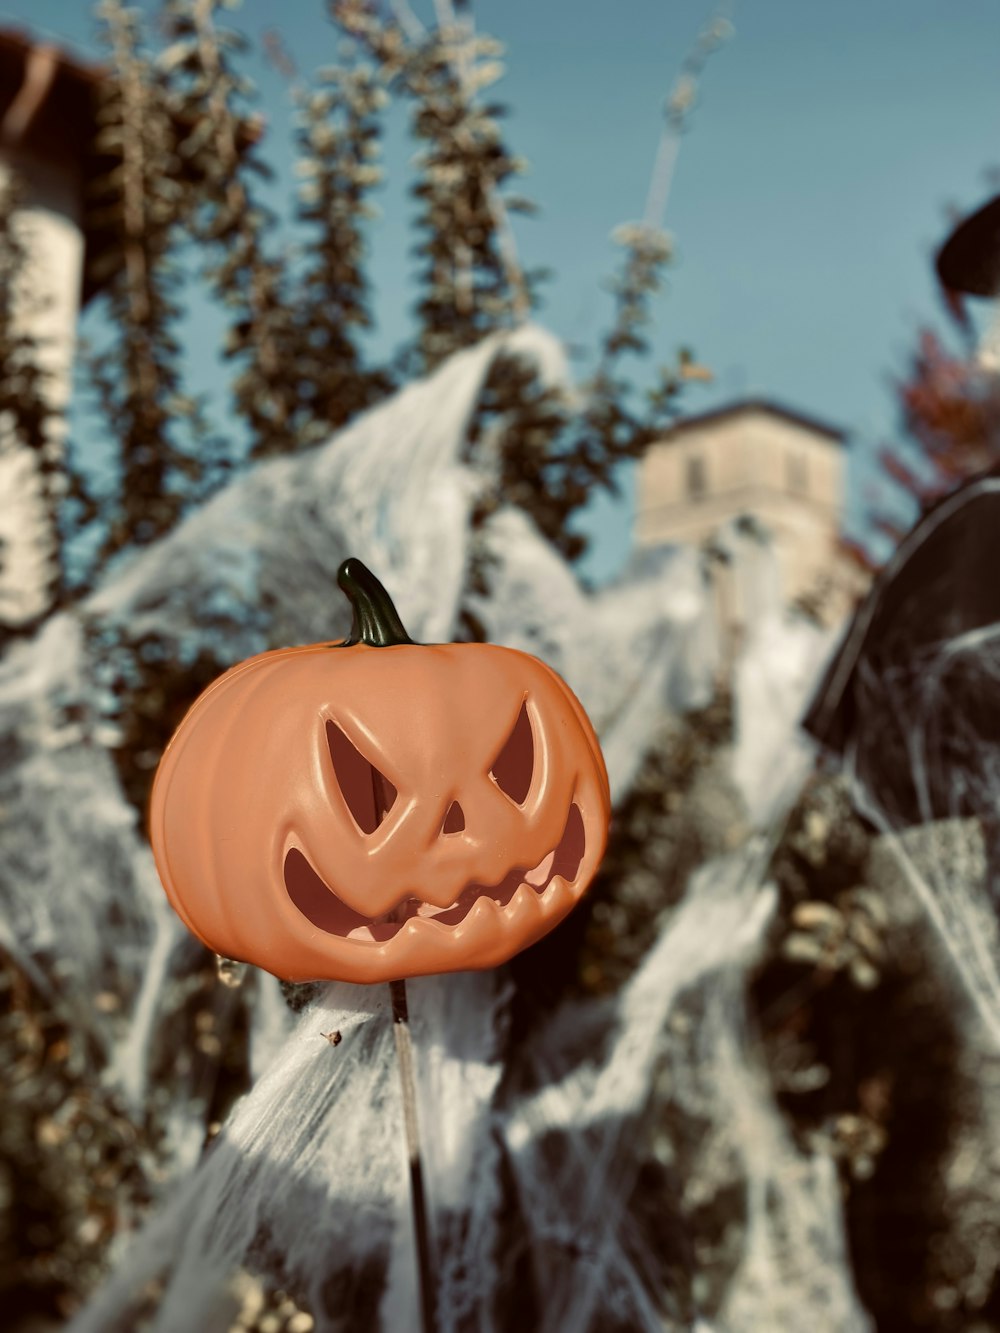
x=757, y=461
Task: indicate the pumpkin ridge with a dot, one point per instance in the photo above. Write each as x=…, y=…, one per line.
x=226, y=904
x=230, y=906
x=586, y=725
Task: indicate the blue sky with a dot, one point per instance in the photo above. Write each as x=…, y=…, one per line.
x=829, y=143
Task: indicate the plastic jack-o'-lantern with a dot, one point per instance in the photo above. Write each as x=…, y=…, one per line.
x=375, y=809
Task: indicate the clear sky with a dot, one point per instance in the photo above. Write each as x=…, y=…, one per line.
x=829, y=144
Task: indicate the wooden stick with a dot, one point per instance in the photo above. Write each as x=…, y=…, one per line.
x=404, y=1059
x=418, y=1198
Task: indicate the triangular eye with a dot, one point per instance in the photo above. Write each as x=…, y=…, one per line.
x=454, y=820
x=369, y=794
x=515, y=763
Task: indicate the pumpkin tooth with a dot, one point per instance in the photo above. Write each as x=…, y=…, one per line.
x=558, y=898
x=541, y=871
x=418, y=925
x=361, y=933
x=480, y=921
x=524, y=905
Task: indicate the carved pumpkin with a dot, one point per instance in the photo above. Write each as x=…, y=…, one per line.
x=377, y=809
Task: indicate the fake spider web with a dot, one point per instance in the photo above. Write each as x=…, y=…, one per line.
x=912, y=702
x=532, y=1157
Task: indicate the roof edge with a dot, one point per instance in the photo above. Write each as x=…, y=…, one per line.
x=766, y=405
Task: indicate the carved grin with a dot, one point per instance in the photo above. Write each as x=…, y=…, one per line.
x=320, y=905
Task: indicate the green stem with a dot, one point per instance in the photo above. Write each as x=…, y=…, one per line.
x=376, y=621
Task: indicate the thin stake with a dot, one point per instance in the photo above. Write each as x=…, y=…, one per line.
x=418, y=1199
x=404, y=1059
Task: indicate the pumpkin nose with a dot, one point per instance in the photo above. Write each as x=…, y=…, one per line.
x=454, y=820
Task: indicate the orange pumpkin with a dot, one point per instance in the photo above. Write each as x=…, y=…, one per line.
x=378, y=809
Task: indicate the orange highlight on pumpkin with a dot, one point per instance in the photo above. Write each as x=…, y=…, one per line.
x=376, y=809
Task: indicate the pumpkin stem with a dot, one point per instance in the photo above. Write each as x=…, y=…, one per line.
x=376, y=621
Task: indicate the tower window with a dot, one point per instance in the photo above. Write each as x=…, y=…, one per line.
x=797, y=474
x=697, y=482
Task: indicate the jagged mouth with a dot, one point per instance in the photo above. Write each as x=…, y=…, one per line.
x=320, y=905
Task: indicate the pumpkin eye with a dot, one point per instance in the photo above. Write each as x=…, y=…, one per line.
x=369, y=794
x=513, y=766
x=454, y=820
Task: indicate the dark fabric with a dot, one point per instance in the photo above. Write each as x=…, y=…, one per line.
x=911, y=703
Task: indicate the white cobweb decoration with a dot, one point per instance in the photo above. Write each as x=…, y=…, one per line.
x=920, y=673
x=306, y=1182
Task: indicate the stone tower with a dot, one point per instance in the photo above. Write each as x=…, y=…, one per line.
x=759, y=461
